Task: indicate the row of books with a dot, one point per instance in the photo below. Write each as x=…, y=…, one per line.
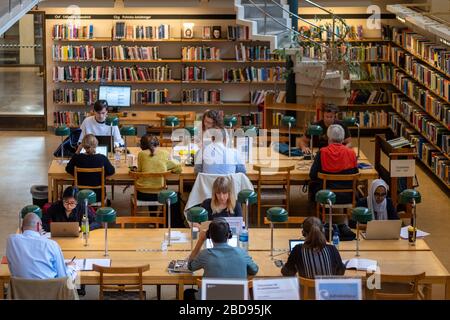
x=252, y=74
x=76, y=53
x=238, y=33
x=69, y=118
x=200, y=53
x=190, y=73
x=121, y=31
x=258, y=97
x=72, y=32
x=252, y=118
x=368, y=119
x=362, y=96
x=419, y=119
x=422, y=97
x=325, y=33
x=110, y=73
x=435, y=54
x=129, y=53
x=254, y=53
x=75, y=96
x=150, y=96
x=370, y=52
x=380, y=72
x=211, y=96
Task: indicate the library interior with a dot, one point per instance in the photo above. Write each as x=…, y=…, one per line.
x=225, y=149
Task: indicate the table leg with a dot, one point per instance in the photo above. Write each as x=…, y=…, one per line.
x=2, y=290
x=447, y=289
x=180, y=291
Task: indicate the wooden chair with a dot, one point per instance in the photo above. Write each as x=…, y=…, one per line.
x=123, y=221
x=135, y=203
x=306, y=287
x=100, y=171
x=339, y=177
x=41, y=289
x=111, y=290
x=273, y=176
x=392, y=284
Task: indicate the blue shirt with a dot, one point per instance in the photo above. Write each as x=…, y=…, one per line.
x=31, y=256
x=224, y=261
x=216, y=158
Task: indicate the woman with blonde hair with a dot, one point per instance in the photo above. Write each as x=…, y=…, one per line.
x=223, y=202
x=90, y=159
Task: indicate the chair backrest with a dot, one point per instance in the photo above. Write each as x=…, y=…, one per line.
x=278, y=175
x=123, y=221
x=109, y=283
x=138, y=175
x=325, y=177
x=42, y=289
x=412, y=292
x=101, y=172
x=306, y=287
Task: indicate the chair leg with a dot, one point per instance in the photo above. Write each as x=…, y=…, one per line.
x=112, y=191
x=158, y=291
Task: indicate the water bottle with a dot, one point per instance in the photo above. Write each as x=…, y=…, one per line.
x=85, y=229
x=336, y=240
x=117, y=158
x=243, y=239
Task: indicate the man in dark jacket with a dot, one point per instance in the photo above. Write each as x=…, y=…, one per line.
x=336, y=158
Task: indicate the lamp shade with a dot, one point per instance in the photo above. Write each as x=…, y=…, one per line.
x=31, y=209
x=62, y=131
x=128, y=131
x=362, y=215
x=286, y=120
x=164, y=195
x=314, y=130
x=87, y=194
x=192, y=130
x=197, y=214
x=105, y=214
x=112, y=121
x=407, y=196
x=277, y=214
x=323, y=196
x=230, y=120
x=350, y=121
x=249, y=195
x=172, y=121
x=248, y=130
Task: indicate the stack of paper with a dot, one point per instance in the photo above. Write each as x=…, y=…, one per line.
x=86, y=264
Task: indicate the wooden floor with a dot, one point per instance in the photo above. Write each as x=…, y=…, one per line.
x=25, y=157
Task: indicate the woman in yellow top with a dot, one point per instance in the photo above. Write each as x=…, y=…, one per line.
x=153, y=159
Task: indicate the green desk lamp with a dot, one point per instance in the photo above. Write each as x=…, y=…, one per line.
x=193, y=131
x=275, y=214
x=196, y=215
x=230, y=121
x=313, y=130
x=106, y=215
x=288, y=121
x=168, y=197
x=29, y=209
x=88, y=197
x=126, y=131
x=171, y=121
x=327, y=197
x=62, y=131
x=247, y=196
x=112, y=121
x=351, y=122
x=411, y=196
x=360, y=215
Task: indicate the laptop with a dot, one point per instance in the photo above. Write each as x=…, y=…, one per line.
x=105, y=141
x=382, y=230
x=64, y=229
x=293, y=243
x=100, y=149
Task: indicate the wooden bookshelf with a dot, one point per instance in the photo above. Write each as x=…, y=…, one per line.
x=445, y=183
x=175, y=40
x=365, y=105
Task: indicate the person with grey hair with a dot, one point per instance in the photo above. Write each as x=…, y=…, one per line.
x=336, y=158
x=31, y=256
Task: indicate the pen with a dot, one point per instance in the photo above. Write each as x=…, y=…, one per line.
x=72, y=259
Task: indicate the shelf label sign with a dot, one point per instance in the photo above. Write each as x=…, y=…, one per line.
x=403, y=168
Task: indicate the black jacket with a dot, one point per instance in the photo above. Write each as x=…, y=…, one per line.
x=207, y=205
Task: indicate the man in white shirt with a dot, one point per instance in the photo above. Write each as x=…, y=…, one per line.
x=31, y=256
x=96, y=124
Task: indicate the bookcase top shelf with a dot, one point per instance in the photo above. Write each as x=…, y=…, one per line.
x=171, y=61
x=157, y=40
x=173, y=82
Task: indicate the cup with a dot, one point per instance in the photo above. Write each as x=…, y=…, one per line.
x=412, y=234
x=194, y=233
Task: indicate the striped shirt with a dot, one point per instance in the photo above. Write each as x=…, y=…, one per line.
x=310, y=263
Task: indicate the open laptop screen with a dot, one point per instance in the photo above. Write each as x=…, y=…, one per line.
x=293, y=243
x=100, y=150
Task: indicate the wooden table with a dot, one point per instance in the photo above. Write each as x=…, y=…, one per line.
x=264, y=156
x=151, y=240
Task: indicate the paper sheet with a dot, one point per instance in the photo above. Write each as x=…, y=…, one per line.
x=404, y=233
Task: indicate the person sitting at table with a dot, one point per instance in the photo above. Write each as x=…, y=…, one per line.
x=381, y=205
x=212, y=119
x=68, y=210
x=153, y=159
x=223, y=202
x=334, y=159
x=96, y=124
x=222, y=260
x=329, y=112
x=314, y=257
x=216, y=157
x=31, y=256
x=90, y=159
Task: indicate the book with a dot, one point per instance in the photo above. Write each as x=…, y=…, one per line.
x=86, y=264
x=361, y=264
x=217, y=32
x=178, y=266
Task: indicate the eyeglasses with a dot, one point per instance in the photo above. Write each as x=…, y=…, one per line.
x=70, y=203
x=377, y=194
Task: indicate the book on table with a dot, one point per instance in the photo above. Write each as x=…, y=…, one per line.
x=178, y=266
x=361, y=264
x=86, y=264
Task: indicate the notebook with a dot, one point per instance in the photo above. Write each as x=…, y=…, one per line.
x=361, y=264
x=86, y=264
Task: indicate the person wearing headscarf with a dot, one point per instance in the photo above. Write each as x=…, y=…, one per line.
x=378, y=201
